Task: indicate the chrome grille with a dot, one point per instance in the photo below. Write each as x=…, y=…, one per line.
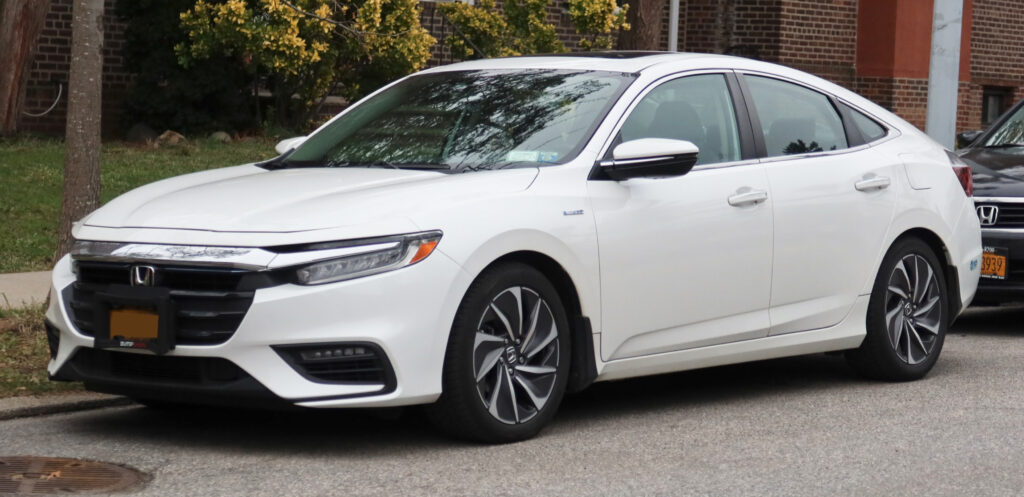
x=1009, y=215
x=210, y=302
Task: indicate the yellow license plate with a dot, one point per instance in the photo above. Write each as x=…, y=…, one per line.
x=134, y=324
x=993, y=265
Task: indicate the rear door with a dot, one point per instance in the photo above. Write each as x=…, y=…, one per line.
x=833, y=200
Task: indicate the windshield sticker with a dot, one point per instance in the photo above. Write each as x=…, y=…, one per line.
x=531, y=156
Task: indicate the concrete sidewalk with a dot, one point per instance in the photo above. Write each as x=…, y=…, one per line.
x=24, y=289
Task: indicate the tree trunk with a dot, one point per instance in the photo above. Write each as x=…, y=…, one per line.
x=644, y=17
x=21, y=21
x=82, y=140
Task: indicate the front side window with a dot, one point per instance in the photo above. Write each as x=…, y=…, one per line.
x=795, y=120
x=464, y=121
x=697, y=109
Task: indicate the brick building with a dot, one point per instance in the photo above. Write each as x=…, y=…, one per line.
x=879, y=48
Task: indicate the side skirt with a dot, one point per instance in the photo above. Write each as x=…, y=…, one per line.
x=848, y=334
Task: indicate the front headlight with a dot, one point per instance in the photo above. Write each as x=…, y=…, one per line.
x=405, y=251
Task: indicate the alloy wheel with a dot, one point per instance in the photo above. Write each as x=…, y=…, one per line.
x=515, y=355
x=913, y=309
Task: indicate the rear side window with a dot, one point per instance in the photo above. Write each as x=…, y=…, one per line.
x=795, y=120
x=869, y=129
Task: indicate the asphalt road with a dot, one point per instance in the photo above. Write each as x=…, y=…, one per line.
x=799, y=426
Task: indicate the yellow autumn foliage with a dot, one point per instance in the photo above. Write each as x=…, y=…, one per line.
x=356, y=44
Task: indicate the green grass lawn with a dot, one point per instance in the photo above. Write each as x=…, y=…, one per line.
x=31, y=178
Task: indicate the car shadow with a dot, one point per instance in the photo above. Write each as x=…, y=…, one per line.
x=1004, y=320
x=370, y=433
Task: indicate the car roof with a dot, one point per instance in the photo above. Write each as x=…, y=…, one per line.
x=618, y=61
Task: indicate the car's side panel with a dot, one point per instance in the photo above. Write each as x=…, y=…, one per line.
x=943, y=209
x=680, y=266
x=552, y=218
x=848, y=334
x=827, y=233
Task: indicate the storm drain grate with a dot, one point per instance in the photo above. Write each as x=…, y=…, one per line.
x=50, y=475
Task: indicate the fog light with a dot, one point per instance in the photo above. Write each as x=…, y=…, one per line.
x=332, y=353
x=345, y=363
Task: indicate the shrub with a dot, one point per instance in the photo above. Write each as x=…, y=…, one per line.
x=307, y=47
x=521, y=27
x=212, y=94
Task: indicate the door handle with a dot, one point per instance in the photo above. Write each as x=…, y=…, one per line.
x=749, y=197
x=873, y=183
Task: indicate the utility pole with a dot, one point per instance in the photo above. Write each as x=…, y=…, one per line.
x=944, y=72
x=673, y=25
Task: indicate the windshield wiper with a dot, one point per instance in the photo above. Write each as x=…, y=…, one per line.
x=425, y=166
x=287, y=164
x=1005, y=145
x=392, y=165
x=500, y=165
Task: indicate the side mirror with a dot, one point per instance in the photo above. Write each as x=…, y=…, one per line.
x=967, y=137
x=288, y=144
x=650, y=157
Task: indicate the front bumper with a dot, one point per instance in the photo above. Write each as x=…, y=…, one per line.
x=1011, y=289
x=405, y=314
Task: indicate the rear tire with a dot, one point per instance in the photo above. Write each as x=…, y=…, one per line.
x=507, y=361
x=908, y=315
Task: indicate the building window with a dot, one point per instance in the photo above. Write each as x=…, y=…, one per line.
x=994, y=101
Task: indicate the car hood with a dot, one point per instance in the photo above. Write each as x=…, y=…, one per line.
x=997, y=172
x=252, y=199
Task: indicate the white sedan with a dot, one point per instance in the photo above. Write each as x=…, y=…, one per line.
x=485, y=236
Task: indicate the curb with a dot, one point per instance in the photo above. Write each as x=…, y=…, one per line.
x=24, y=407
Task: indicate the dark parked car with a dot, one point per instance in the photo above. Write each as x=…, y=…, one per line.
x=996, y=157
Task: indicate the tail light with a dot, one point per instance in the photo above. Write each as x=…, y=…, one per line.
x=963, y=173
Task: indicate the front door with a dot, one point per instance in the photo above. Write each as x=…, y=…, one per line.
x=686, y=261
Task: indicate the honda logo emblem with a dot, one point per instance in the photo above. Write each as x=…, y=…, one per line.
x=988, y=214
x=143, y=276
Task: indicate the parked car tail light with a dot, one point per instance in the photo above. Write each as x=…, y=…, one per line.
x=963, y=173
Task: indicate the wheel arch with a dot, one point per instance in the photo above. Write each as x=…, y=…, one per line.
x=949, y=271
x=583, y=367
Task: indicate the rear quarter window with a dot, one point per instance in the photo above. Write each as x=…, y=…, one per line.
x=869, y=129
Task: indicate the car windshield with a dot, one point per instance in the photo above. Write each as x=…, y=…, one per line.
x=467, y=121
x=1010, y=133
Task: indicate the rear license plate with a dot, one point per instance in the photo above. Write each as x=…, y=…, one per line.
x=134, y=324
x=994, y=263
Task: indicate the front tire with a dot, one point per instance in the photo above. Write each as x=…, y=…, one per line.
x=507, y=361
x=907, y=315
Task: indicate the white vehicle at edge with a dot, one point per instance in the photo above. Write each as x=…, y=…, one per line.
x=485, y=236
